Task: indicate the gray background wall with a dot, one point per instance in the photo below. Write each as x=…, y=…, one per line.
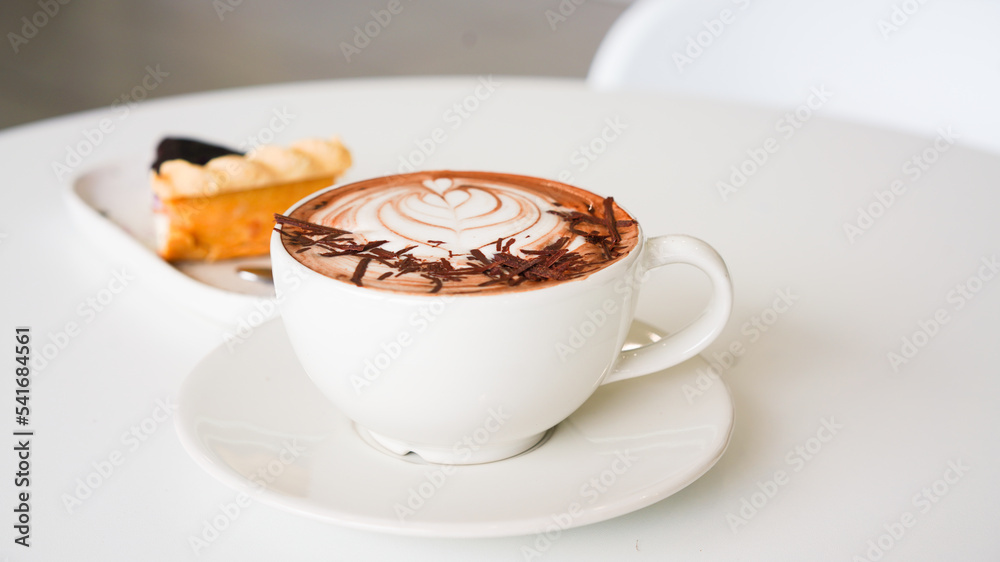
x=86, y=54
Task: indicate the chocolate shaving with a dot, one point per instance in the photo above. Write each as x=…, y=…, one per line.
x=479, y=255
x=312, y=228
x=556, y=256
x=605, y=248
x=384, y=254
x=360, y=271
x=550, y=248
x=609, y=218
x=438, y=284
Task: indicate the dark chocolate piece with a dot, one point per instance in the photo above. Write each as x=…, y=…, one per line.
x=190, y=150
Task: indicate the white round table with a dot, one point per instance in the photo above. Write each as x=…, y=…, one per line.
x=861, y=355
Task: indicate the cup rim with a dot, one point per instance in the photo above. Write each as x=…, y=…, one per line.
x=604, y=272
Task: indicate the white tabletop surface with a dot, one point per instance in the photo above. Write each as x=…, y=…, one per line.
x=835, y=444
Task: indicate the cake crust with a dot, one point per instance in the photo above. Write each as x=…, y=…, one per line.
x=262, y=167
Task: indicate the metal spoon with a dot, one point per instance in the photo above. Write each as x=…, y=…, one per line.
x=262, y=274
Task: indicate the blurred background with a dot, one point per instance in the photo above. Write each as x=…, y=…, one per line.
x=63, y=56
x=911, y=65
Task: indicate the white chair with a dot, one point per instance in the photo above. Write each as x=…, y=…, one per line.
x=912, y=65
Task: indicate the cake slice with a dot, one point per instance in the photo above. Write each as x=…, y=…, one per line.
x=213, y=203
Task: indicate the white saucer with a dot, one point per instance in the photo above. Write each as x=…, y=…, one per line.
x=253, y=419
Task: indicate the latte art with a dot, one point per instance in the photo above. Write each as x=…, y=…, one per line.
x=457, y=232
x=444, y=215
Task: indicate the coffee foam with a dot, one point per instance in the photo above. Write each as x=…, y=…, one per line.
x=447, y=216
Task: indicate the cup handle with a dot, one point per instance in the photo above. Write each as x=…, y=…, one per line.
x=681, y=346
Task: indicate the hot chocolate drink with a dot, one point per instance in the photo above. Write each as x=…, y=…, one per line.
x=420, y=373
x=457, y=233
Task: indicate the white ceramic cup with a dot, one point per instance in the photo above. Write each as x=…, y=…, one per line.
x=466, y=379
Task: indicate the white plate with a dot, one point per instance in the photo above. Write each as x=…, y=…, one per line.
x=112, y=203
x=253, y=419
